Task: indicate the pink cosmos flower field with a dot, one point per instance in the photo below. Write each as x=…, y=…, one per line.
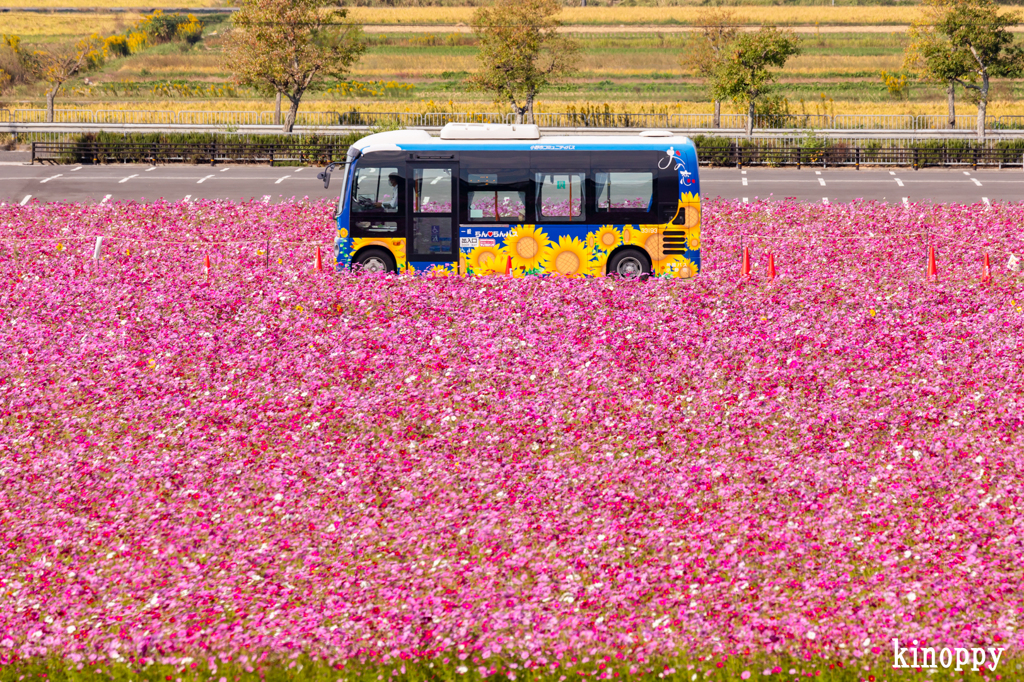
x=727, y=477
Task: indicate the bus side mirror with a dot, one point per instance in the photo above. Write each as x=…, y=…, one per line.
x=325, y=174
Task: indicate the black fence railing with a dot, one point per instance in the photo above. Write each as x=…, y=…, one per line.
x=842, y=154
x=710, y=150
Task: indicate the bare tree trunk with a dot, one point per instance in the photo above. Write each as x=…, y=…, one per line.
x=982, y=105
x=716, y=119
x=750, y=118
x=293, y=110
x=518, y=111
x=950, y=99
x=529, y=109
x=50, y=96
x=277, y=109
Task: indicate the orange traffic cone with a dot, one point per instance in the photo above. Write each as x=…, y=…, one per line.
x=933, y=270
x=207, y=267
x=508, y=265
x=986, y=270
x=745, y=265
x=771, y=266
x=319, y=263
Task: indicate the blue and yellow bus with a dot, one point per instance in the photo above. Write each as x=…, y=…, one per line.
x=487, y=199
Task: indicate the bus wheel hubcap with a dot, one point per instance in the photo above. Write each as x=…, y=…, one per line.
x=629, y=267
x=374, y=265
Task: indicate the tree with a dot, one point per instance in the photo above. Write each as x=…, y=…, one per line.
x=714, y=31
x=291, y=47
x=745, y=73
x=58, y=64
x=931, y=56
x=979, y=35
x=521, y=51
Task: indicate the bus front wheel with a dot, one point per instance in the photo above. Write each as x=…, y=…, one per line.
x=374, y=261
x=629, y=264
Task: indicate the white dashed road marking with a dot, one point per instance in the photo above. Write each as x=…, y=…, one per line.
x=745, y=200
x=151, y=169
x=906, y=201
x=744, y=180
x=52, y=177
x=25, y=200
x=124, y=180
x=967, y=173
x=822, y=181
x=817, y=172
x=824, y=200
x=266, y=198
x=224, y=169
x=892, y=172
x=187, y=197
x=987, y=202
x=202, y=180
x=899, y=182
x=976, y=182
x=76, y=168
x=105, y=199
x=280, y=180
x=743, y=172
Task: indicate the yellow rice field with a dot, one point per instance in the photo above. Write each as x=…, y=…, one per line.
x=144, y=5
x=30, y=25
x=613, y=16
x=996, y=107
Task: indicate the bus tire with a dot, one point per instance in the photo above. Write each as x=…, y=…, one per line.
x=374, y=261
x=629, y=264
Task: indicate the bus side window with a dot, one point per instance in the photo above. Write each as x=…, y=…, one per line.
x=377, y=190
x=560, y=196
x=624, y=192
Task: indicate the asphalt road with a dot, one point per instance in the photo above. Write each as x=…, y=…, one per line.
x=24, y=183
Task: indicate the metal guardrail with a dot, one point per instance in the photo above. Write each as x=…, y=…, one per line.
x=964, y=122
x=163, y=152
x=731, y=154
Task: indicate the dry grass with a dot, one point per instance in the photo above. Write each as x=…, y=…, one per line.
x=808, y=65
x=478, y=104
x=170, y=65
x=31, y=26
x=614, y=16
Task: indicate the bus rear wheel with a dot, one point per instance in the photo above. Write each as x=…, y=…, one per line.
x=374, y=261
x=629, y=264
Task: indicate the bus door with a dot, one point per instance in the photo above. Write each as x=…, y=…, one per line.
x=433, y=215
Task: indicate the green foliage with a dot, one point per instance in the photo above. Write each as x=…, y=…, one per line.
x=898, y=84
x=291, y=46
x=191, y=31
x=746, y=73
x=116, y=46
x=521, y=51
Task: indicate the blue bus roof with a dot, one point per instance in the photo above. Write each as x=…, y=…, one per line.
x=421, y=140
